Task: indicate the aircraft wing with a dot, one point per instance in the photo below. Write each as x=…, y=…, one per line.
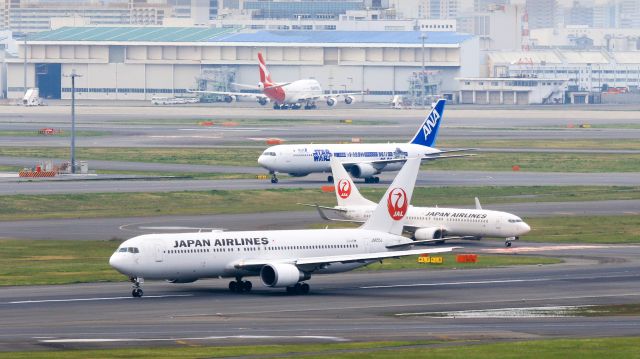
x=344, y=94
x=228, y=93
x=381, y=163
x=255, y=264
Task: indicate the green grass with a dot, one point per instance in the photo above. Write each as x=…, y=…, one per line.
x=607, y=310
x=544, y=144
x=590, y=229
x=449, y=262
x=239, y=156
x=213, y=202
x=586, y=348
x=30, y=262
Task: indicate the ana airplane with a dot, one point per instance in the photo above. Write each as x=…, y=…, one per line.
x=363, y=160
x=428, y=224
x=287, y=95
x=280, y=258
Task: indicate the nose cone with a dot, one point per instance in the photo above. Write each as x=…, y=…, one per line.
x=262, y=161
x=524, y=228
x=118, y=262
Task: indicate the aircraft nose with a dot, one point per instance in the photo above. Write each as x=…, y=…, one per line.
x=117, y=262
x=524, y=228
x=261, y=161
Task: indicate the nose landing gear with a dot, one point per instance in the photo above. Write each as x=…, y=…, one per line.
x=137, y=283
x=274, y=179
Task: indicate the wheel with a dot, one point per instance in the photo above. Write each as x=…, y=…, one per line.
x=304, y=288
x=247, y=286
x=330, y=179
x=274, y=180
x=276, y=106
x=507, y=244
x=233, y=286
x=376, y=179
x=291, y=290
x=137, y=292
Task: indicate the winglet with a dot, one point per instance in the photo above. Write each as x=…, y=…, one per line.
x=389, y=214
x=478, y=206
x=428, y=132
x=347, y=193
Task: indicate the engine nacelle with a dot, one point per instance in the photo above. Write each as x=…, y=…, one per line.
x=263, y=101
x=229, y=99
x=281, y=275
x=363, y=170
x=425, y=234
x=182, y=280
x=331, y=101
x=349, y=100
x=260, y=86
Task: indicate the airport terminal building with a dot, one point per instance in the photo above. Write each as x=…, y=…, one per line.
x=138, y=63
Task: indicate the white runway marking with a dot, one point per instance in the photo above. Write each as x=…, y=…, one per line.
x=95, y=299
x=459, y=283
x=119, y=340
x=178, y=228
x=544, y=248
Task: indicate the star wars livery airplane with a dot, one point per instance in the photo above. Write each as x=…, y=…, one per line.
x=434, y=224
x=362, y=160
x=288, y=95
x=282, y=259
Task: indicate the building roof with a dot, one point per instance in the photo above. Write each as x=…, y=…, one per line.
x=118, y=33
x=343, y=37
x=199, y=34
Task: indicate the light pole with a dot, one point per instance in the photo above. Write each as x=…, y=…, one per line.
x=423, y=36
x=73, y=76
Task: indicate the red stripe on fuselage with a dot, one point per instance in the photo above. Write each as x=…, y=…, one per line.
x=275, y=94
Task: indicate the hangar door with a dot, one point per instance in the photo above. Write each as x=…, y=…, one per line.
x=48, y=80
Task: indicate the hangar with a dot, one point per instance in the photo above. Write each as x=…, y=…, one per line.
x=138, y=63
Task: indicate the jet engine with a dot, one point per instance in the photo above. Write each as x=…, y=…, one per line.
x=363, y=170
x=229, y=99
x=425, y=234
x=349, y=100
x=331, y=101
x=281, y=275
x=263, y=101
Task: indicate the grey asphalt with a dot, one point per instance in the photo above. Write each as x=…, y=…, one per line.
x=123, y=228
x=344, y=307
x=10, y=186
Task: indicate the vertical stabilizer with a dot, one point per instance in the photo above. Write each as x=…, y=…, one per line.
x=265, y=76
x=347, y=193
x=392, y=208
x=478, y=206
x=428, y=132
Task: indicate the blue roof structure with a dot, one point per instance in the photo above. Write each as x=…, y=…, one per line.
x=343, y=37
x=199, y=34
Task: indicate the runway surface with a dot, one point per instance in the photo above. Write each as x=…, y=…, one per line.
x=11, y=186
x=350, y=306
x=123, y=228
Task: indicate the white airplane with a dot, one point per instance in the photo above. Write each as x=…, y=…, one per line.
x=287, y=95
x=281, y=258
x=363, y=160
x=433, y=224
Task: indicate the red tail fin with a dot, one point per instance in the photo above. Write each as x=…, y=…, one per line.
x=265, y=76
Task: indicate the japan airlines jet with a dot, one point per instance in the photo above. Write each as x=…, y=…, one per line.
x=280, y=258
x=363, y=160
x=428, y=224
x=287, y=95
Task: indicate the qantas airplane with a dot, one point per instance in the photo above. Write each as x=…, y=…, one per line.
x=363, y=160
x=288, y=95
x=436, y=224
x=282, y=259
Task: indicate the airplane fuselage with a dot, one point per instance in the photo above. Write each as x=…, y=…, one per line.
x=454, y=221
x=184, y=257
x=305, y=159
x=295, y=92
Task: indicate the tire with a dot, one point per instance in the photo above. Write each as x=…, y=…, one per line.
x=233, y=286
x=304, y=288
x=247, y=286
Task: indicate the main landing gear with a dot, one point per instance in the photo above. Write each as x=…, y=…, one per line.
x=137, y=283
x=274, y=179
x=299, y=288
x=330, y=179
x=239, y=286
x=372, y=180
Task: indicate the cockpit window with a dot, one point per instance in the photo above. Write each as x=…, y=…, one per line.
x=129, y=249
x=515, y=220
x=268, y=153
